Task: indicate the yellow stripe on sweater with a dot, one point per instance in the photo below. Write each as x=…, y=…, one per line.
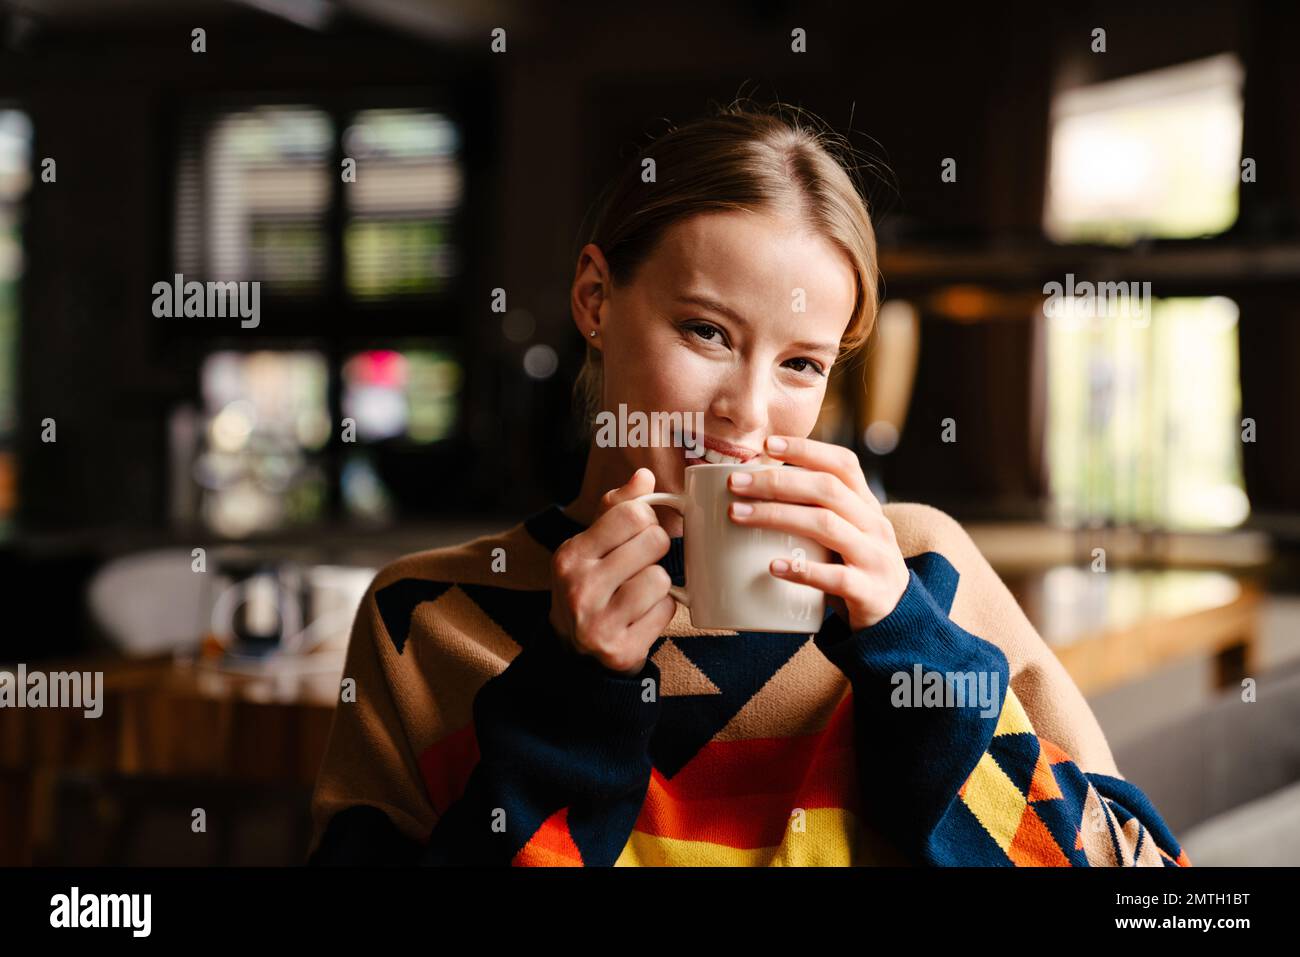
x=995, y=800
x=1013, y=719
x=824, y=842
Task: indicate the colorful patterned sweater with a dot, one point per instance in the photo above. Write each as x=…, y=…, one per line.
x=475, y=737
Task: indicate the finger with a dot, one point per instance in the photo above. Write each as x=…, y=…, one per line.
x=863, y=594
x=619, y=525
x=801, y=486
x=642, y=551
x=643, y=633
x=830, y=577
x=636, y=596
x=820, y=524
x=641, y=483
x=822, y=457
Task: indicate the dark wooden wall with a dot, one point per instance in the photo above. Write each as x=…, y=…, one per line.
x=568, y=103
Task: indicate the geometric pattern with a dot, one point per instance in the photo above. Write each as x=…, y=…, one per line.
x=1033, y=808
x=715, y=798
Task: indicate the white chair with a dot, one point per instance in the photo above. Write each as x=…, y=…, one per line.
x=149, y=603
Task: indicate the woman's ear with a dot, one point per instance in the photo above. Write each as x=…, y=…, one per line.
x=590, y=293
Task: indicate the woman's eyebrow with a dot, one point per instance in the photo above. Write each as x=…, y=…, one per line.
x=707, y=302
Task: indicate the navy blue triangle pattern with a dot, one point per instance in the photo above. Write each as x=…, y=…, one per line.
x=1064, y=816
x=397, y=602
x=738, y=665
x=520, y=614
x=1063, y=824
x=965, y=842
x=1017, y=755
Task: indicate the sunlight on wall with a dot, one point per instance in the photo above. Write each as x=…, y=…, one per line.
x=1157, y=154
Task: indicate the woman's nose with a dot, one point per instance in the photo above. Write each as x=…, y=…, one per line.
x=741, y=399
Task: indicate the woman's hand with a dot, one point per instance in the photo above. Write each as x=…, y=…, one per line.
x=609, y=595
x=831, y=504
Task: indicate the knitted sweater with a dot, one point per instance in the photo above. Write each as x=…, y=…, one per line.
x=476, y=737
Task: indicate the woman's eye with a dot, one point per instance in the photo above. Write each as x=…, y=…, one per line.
x=808, y=365
x=704, y=330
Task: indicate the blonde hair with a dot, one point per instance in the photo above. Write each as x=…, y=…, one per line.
x=738, y=158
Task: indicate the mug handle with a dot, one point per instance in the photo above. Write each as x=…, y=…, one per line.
x=672, y=500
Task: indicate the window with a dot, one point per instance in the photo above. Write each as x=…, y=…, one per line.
x=1144, y=418
x=254, y=190
x=258, y=188
x=265, y=429
x=1144, y=404
x=398, y=399
x=409, y=395
x=350, y=218
x=1152, y=155
x=409, y=184
x=15, y=179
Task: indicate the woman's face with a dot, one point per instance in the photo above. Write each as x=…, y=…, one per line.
x=737, y=316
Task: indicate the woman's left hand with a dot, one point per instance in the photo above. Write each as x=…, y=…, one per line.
x=828, y=500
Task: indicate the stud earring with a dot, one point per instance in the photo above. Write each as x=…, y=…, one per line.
x=593, y=333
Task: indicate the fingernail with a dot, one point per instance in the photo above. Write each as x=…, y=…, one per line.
x=741, y=479
x=780, y=566
x=776, y=444
x=741, y=508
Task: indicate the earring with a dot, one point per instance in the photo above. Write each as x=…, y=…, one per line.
x=593, y=333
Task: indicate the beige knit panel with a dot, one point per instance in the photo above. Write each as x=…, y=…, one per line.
x=985, y=607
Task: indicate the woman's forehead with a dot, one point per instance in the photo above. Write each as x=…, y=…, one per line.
x=758, y=265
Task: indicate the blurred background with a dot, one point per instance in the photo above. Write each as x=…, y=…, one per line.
x=180, y=509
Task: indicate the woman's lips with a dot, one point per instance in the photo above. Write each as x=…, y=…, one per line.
x=713, y=450
x=759, y=459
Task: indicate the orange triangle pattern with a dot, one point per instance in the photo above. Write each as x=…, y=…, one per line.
x=1044, y=786
x=551, y=846
x=1033, y=845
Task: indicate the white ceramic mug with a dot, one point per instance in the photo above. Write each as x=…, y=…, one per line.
x=729, y=584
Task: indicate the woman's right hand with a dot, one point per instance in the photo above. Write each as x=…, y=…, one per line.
x=609, y=595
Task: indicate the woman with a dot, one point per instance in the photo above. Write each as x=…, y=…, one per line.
x=538, y=697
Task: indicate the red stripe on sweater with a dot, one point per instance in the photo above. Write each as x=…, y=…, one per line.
x=446, y=766
x=741, y=793
x=735, y=793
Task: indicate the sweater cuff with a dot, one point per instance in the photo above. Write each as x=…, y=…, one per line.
x=581, y=683
x=927, y=698
x=916, y=628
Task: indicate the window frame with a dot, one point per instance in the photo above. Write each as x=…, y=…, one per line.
x=332, y=321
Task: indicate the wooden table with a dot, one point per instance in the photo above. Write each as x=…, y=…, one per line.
x=1110, y=628
x=161, y=718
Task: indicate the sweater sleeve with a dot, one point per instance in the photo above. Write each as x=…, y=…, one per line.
x=369, y=805
x=562, y=748
x=950, y=764
x=563, y=765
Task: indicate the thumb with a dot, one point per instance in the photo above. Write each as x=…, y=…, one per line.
x=641, y=483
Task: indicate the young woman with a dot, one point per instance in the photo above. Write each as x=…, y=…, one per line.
x=538, y=697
